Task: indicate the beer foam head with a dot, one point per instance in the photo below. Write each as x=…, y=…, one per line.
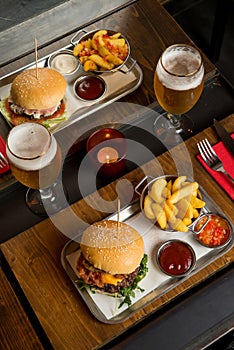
x=180, y=68
x=30, y=146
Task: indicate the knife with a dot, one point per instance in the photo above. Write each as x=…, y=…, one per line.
x=225, y=137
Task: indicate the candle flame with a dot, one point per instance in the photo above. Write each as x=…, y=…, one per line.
x=107, y=155
x=107, y=159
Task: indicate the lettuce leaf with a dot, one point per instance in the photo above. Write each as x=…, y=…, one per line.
x=48, y=123
x=126, y=293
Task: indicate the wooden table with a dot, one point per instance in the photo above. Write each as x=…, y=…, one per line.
x=156, y=30
x=147, y=44
x=62, y=19
x=16, y=331
x=34, y=255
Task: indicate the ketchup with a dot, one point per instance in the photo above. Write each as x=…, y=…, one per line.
x=175, y=258
x=90, y=88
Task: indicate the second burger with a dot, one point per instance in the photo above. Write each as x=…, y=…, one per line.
x=112, y=259
x=36, y=95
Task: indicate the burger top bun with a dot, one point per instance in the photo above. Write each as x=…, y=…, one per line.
x=113, y=249
x=42, y=92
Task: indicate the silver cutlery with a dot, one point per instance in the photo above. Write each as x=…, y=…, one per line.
x=210, y=157
x=3, y=161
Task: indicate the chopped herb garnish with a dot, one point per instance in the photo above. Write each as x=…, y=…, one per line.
x=82, y=285
x=128, y=292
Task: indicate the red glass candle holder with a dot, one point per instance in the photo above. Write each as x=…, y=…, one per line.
x=107, y=149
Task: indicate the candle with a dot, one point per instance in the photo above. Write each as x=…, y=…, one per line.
x=107, y=149
x=107, y=155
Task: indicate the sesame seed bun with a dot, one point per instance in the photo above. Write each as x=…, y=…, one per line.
x=42, y=92
x=112, y=248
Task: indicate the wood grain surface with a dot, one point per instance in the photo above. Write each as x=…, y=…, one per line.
x=147, y=44
x=34, y=257
x=16, y=331
x=147, y=25
x=62, y=19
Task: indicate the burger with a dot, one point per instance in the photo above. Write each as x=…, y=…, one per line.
x=36, y=95
x=111, y=259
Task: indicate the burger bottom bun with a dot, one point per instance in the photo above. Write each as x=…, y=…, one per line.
x=113, y=248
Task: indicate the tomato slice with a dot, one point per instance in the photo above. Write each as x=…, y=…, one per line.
x=17, y=119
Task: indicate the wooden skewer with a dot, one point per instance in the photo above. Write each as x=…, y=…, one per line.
x=118, y=217
x=36, y=56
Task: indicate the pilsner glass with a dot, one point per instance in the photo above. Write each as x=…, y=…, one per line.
x=35, y=159
x=178, y=85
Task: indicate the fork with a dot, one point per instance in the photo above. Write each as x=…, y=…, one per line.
x=3, y=161
x=210, y=157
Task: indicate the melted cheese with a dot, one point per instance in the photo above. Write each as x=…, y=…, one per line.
x=110, y=279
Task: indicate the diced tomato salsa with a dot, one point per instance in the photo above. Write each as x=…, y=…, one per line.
x=215, y=233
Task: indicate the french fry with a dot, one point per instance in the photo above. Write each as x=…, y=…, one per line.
x=178, y=183
x=182, y=206
x=100, y=42
x=180, y=226
x=88, y=43
x=156, y=190
x=83, y=59
x=189, y=212
x=95, y=41
x=160, y=215
x=108, y=56
x=148, y=207
x=183, y=192
x=101, y=62
x=166, y=193
x=100, y=33
x=196, y=202
x=77, y=49
x=170, y=214
x=169, y=188
x=106, y=51
x=116, y=35
x=103, y=51
x=162, y=220
x=195, y=213
x=114, y=59
x=194, y=192
x=173, y=204
x=187, y=221
x=173, y=208
x=117, y=42
x=89, y=65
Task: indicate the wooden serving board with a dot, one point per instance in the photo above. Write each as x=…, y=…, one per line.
x=34, y=257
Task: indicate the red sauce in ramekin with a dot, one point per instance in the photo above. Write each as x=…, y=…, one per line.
x=90, y=88
x=176, y=258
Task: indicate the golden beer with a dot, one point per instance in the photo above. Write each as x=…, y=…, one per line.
x=179, y=79
x=34, y=155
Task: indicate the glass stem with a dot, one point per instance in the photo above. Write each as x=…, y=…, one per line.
x=47, y=193
x=175, y=121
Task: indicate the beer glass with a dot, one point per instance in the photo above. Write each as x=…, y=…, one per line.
x=36, y=160
x=178, y=85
